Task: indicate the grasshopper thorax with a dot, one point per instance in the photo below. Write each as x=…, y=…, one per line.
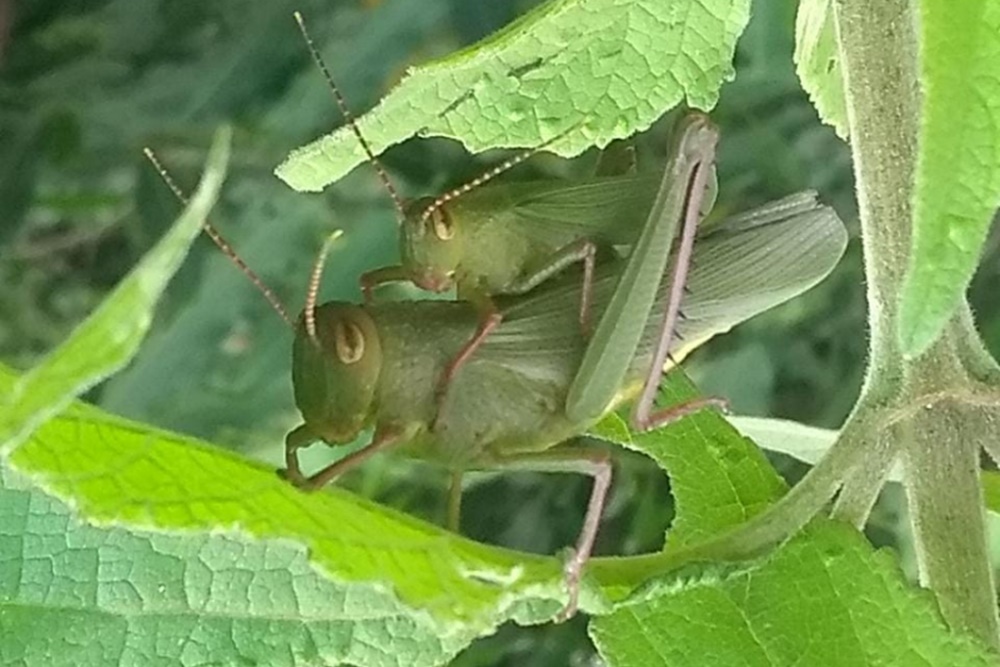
x=336, y=374
x=430, y=244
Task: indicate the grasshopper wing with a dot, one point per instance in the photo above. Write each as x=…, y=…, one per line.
x=608, y=211
x=768, y=256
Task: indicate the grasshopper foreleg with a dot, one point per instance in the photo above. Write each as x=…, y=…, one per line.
x=383, y=438
x=294, y=441
x=387, y=274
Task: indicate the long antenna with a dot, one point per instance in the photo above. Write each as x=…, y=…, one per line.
x=349, y=119
x=312, y=296
x=223, y=245
x=489, y=175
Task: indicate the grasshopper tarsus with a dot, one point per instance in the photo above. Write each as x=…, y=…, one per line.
x=372, y=279
x=382, y=439
x=659, y=418
x=295, y=440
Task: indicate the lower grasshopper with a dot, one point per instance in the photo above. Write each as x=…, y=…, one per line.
x=537, y=381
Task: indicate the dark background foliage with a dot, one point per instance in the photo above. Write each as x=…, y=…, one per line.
x=85, y=84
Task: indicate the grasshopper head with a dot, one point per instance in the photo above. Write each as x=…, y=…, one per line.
x=430, y=245
x=335, y=376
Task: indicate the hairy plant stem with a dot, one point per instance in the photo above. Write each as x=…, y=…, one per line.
x=878, y=45
x=934, y=412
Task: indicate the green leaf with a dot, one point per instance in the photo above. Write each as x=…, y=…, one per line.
x=369, y=585
x=719, y=478
x=825, y=598
x=75, y=594
x=596, y=69
x=805, y=443
x=958, y=167
x=110, y=336
x=817, y=62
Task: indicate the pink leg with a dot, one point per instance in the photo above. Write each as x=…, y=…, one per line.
x=298, y=438
x=486, y=325
x=586, y=461
x=601, y=472
x=658, y=418
x=387, y=274
x=581, y=250
x=643, y=416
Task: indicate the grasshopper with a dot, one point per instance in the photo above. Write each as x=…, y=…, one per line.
x=537, y=381
x=506, y=238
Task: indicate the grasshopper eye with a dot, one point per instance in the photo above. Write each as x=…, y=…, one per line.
x=444, y=229
x=349, y=342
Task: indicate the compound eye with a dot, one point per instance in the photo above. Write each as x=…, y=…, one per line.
x=349, y=342
x=444, y=229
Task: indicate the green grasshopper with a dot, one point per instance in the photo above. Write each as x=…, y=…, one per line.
x=538, y=381
x=505, y=238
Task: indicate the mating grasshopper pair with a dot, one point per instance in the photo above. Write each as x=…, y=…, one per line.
x=497, y=381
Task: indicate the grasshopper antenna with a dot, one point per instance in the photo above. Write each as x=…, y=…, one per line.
x=223, y=245
x=349, y=119
x=489, y=175
x=312, y=296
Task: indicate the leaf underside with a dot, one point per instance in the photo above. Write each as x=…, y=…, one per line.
x=596, y=70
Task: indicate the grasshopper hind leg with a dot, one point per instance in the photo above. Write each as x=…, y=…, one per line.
x=590, y=461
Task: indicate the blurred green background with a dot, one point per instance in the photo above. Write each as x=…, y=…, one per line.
x=86, y=84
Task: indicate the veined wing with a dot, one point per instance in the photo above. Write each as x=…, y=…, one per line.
x=762, y=260
x=608, y=210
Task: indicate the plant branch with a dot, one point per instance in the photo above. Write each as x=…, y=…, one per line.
x=878, y=47
x=948, y=524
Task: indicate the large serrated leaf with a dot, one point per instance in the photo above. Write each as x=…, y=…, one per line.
x=719, y=479
x=76, y=594
x=825, y=598
x=596, y=69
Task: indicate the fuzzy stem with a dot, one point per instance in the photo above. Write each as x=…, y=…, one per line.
x=878, y=45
